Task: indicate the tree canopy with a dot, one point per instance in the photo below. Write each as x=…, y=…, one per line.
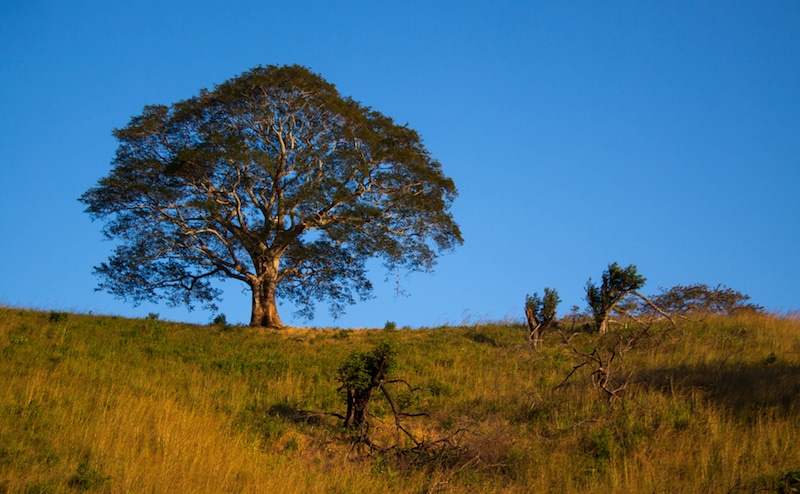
x=699, y=299
x=617, y=283
x=273, y=179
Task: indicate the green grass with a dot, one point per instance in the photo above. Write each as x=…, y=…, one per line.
x=104, y=404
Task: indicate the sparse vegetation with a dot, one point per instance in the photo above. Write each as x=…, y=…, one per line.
x=108, y=404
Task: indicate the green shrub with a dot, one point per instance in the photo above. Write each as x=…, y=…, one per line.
x=87, y=477
x=360, y=374
x=56, y=317
x=789, y=482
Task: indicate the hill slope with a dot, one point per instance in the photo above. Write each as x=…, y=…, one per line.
x=115, y=405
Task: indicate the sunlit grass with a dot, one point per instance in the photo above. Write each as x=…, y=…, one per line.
x=116, y=405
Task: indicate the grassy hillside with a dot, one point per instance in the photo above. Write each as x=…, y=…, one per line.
x=108, y=404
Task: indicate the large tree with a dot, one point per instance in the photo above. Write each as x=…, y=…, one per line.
x=273, y=179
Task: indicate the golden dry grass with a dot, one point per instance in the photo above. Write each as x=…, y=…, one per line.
x=115, y=405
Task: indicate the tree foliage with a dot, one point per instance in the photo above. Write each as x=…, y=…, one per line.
x=359, y=375
x=699, y=299
x=617, y=283
x=273, y=179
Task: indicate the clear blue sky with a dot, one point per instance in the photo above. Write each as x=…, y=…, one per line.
x=660, y=134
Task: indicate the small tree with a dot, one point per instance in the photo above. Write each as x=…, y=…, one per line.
x=617, y=284
x=359, y=375
x=699, y=299
x=540, y=313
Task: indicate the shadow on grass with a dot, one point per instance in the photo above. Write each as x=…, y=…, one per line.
x=292, y=414
x=482, y=338
x=739, y=388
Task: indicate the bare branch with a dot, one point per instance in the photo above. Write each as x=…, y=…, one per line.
x=656, y=308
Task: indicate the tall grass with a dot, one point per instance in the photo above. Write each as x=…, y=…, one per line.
x=115, y=405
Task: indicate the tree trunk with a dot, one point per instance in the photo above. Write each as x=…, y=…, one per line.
x=534, y=327
x=357, y=404
x=603, y=329
x=264, y=313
